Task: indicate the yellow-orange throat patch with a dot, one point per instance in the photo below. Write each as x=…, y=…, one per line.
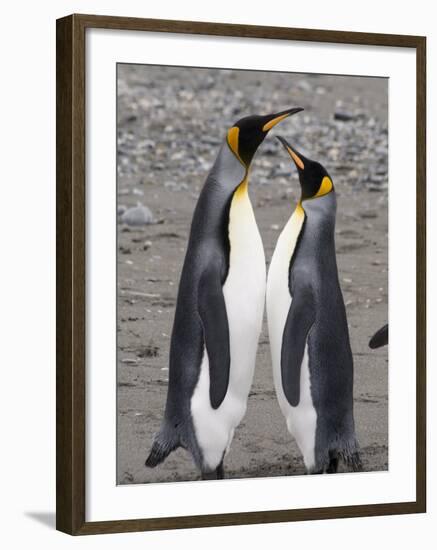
x=242, y=189
x=299, y=211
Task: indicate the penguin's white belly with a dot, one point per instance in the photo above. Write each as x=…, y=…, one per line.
x=301, y=420
x=244, y=293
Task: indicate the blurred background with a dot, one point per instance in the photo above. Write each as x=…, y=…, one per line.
x=171, y=122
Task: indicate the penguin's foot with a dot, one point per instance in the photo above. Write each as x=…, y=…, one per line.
x=218, y=473
x=355, y=462
x=330, y=467
x=333, y=463
x=352, y=462
x=315, y=472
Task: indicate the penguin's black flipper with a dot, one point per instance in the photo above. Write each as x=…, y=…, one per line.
x=299, y=322
x=380, y=338
x=212, y=310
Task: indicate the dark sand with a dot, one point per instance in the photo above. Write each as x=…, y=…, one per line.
x=170, y=124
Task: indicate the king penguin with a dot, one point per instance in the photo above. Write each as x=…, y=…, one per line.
x=308, y=331
x=219, y=309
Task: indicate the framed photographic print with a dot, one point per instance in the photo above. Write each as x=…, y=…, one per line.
x=240, y=220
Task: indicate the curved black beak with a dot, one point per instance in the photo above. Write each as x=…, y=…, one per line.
x=274, y=119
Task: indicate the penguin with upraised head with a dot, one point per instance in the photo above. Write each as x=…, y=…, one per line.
x=308, y=330
x=219, y=309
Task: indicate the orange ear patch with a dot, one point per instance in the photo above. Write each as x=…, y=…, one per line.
x=325, y=187
x=233, y=134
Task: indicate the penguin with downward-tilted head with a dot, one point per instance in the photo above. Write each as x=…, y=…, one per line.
x=219, y=309
x=309, y=338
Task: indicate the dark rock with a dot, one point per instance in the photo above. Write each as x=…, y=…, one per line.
x=344, y=116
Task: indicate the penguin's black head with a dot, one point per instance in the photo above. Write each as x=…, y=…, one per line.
x=314, y=179
x=247, y=134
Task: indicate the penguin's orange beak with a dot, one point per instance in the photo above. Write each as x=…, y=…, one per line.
x=278, y=117
x=293, y=153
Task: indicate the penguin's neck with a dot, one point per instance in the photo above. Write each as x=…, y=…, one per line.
x=241, y=193
x=241, y=212
x=320, y=213
x=228, y=172
x=318, y=238
x=225, y=189
x=289, y=236
x=246, y=248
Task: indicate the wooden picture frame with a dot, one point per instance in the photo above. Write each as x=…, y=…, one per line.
x=71, y=248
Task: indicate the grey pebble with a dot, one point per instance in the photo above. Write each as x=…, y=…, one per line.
x=304, y=86
x=137, y=215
